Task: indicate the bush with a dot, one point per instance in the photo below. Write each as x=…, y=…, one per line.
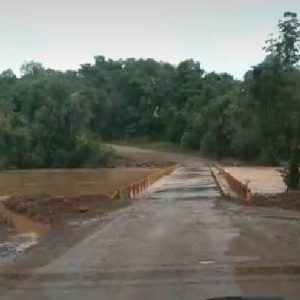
x=269, y=156
x=209, y=144
x=89, y=152
x=190, y=140
x=246, y=143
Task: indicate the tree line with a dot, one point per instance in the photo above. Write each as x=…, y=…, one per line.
x=50, y=118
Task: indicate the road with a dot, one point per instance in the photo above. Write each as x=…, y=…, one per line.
x=182, y=240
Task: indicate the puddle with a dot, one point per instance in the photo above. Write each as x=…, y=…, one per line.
x=187, y=189
x=205, y=262
x=24, y=241
x=84, y=223
x=22, y=223
x=209, y=194
x=28, y=231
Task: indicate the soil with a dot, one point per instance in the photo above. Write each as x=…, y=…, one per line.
x=131, y=156
x=287, y=200
x=143, y=158
x=56, y=210
x=5, y=230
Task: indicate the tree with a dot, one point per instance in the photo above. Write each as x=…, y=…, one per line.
x=286, y=45
x=286, y=49
x=8, y=76
x=61, y=117
x=266, y=101
x=31, y=68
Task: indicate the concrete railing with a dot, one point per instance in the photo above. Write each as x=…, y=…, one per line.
x=132, y=190
x=241, y=189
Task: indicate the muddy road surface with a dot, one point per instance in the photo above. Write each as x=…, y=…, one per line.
x=181, y=240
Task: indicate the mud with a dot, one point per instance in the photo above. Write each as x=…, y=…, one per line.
x=6, y=232
x=287, y=200
x=57, y=210
x=188, y=183
x=21, y=223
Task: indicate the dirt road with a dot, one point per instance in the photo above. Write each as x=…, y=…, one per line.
x=181, y=241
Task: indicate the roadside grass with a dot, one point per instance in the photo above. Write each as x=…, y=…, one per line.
x=154, y=145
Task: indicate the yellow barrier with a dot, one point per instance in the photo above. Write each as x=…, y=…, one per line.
x=132, y=190
x=237, y=186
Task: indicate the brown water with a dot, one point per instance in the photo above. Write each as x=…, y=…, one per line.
x=62, y=182
x=260, y=179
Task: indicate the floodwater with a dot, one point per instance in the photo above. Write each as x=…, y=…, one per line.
x=63, y=182
x=260, y=179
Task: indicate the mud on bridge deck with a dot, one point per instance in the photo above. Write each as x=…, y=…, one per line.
x=187, y=183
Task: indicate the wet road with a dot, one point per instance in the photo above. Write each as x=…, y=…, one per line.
x=182, y=241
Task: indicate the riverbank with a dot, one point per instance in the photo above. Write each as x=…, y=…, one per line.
x=6, y=232
x=49, y=224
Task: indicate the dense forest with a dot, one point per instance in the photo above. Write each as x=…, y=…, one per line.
x=50, y=118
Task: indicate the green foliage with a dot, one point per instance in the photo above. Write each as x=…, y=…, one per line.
x=209, y=145
x=246, y=143
x=286, y=52
x=190, y=140
x=43, y=116
x=88, y=151
x=31, y=68
x=50, y=118
x=286, y=46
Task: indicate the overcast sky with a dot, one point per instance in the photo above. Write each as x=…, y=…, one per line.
x=224, y=35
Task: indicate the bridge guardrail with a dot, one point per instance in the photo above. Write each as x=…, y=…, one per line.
x=132, y=190
x=236, y=185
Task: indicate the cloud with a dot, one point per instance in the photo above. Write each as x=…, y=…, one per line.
x=223, y=35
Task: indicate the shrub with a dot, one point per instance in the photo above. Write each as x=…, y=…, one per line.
x=89, y=152
x=209, y=144
x=246, y=143
x=190, y=140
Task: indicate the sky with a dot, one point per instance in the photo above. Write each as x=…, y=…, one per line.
x=224, y=35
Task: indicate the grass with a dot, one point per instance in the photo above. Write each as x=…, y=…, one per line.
x=154, y=145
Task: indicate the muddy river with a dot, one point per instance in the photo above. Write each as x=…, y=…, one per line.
x=260, y=179
x=62, y=182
